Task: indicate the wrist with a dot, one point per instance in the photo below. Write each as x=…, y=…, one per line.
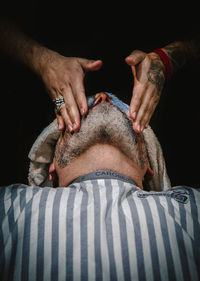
x=166, y=62
x=178, y=54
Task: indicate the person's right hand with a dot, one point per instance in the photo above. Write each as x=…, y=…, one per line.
x=64, y=77
x=149, y=78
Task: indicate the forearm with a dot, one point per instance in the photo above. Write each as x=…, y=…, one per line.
x=17, y=45
x=181, y=53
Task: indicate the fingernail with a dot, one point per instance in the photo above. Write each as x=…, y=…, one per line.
x=83, y=111
x=70, y=128
x=142, y=128
x=138, y=128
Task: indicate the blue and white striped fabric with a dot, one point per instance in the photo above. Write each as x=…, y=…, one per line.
x=101, y=227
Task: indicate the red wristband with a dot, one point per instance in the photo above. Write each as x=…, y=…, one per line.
x=166, y=62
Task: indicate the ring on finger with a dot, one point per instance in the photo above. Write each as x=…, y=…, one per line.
x=58, y=102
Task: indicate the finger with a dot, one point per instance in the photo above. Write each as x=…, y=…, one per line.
x=63, y=119
x=138, y=93
x=145, y=109
x=147, y=115
x=60, y=121
x=135, y=57
x=141, y=113
x=71, y=107
x=54, y=94
x=135, y=127
x=78, y=91
x=134, y=74
x=90, y=65
x=150, y=115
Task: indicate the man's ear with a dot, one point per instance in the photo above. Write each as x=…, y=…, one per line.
x=52, y=172
x=149, y=173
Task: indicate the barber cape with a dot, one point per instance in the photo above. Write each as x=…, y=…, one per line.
x=42, y=152
x=100, y=227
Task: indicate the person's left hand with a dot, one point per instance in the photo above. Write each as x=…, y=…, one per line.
x=149, y=78
x=63, y=77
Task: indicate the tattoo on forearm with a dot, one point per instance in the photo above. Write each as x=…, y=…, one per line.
x=177, y=57
x=181, y=52
x=156, y=74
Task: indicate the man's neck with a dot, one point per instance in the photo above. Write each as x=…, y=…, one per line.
x=101, y=157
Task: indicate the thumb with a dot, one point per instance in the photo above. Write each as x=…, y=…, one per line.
x=135, y=57
x=91, y=65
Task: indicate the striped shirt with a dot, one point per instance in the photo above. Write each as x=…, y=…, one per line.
x=101, y=227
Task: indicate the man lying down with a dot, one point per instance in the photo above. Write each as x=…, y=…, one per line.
x=113, y=215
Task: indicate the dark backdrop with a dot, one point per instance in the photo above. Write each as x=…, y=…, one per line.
x=108, y=32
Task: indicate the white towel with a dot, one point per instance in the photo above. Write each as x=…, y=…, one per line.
x=42, y=153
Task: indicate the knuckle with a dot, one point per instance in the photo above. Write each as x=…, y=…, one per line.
x=66, y=87
x=147, y=62
x=62, y=108
x=138, y=52
x=72, y=111
x=134, y=53
x=79, y=95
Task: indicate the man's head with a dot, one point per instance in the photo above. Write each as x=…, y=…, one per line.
x=105, y=141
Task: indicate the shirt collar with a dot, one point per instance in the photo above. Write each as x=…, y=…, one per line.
x=104, y=174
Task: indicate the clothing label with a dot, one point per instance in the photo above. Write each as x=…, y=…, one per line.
x=181, y=195
x=104, y=174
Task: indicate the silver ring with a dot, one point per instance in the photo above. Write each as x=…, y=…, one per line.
x=58, y=102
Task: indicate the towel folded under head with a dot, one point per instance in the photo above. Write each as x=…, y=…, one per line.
x=42, y=153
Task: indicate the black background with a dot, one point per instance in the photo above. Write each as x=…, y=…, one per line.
x=109, y=32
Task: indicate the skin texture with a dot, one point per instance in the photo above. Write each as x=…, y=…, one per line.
x=63, y=76
x=150, y=76
x=103, y=142
x=110, y=158
x=104, y=124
